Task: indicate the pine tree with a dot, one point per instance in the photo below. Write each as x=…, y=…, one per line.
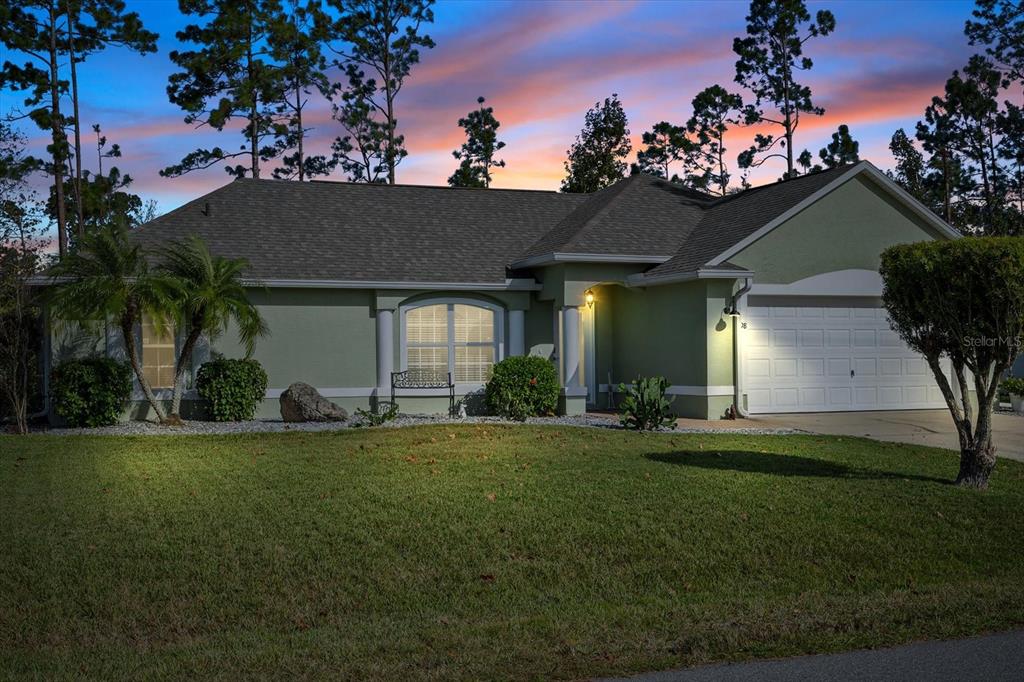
x=93, y=26
x=476, y=155
x=378, y=43
x=768, y=58
x=362, y=152
x=664, y=145
x=296, y=40
x=842, y=150
x=230, y=75
x=1000, y=28
x=715, y=109
x=972, y=117
x=909, y=171
x=596, y=158
x=104, y=197
x=36, y=28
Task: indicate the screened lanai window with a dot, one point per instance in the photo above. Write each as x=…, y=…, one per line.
x=157, y=354
x=455, y=337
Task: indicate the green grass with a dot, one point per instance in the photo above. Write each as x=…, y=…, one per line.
x=483, y=552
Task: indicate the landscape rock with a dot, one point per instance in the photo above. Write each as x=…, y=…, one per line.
x=302, y=403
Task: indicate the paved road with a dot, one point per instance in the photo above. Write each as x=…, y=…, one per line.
x=921, y=427
x=992, y=658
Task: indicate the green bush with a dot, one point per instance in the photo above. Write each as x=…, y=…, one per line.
x=233, y=389
x=523, y=386
x=91, y=391
x=1013, y=385
x=646, y=406
x=385, y=412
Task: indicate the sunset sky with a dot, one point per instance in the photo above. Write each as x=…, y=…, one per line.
x=541, y=65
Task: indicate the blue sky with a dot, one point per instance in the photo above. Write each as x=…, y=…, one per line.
x=541, y=65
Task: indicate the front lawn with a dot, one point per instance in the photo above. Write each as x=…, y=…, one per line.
x=483, y=552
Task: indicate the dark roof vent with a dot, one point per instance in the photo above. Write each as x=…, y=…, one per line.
x=206, y=209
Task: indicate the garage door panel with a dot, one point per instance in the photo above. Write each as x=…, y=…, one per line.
x=785, y=367
x=890, y=367
x=865, y=367
x=812, y=367
x=839, y=367
x=890, y=396
x=784, y=338
x=840, y=396
x=838, y=338
x=814, y=338
x=812, y=398
x=865, y=338
x=830, y=358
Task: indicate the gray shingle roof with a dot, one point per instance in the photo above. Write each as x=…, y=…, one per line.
x=731, y=219
x=404, y=233
x=642, y=215
x=347, y=231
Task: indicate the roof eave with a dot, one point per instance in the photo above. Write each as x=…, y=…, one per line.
x=647, y=280
x=511, y=284
x=557, y=257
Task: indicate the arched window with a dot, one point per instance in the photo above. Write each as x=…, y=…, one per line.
x=460, y=336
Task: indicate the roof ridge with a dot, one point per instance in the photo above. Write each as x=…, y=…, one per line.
x=422, y=186
x=619, y=187
x=718, y=201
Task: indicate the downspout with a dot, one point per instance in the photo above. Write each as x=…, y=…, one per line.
x=737, y=398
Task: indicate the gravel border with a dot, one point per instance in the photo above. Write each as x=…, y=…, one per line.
x=147, y=428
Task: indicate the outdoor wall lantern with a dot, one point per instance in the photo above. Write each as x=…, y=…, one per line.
x=588, y=296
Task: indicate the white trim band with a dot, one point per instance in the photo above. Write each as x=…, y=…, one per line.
x=557, y=257
x=704, y=391
x=519, y=284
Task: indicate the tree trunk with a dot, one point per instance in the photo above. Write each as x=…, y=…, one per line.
x=947, y=203
x=976, y=464
x=128, y=333
x=254, y=111
x=78, y=126
x=57, y=134
x=788, y=118
x=299, y=131
x=723, y=183
x=179, y=369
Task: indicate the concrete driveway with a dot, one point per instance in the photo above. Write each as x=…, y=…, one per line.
x=922, y=427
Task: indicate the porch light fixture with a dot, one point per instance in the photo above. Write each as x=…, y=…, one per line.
x=588, y=296
x=730, y=310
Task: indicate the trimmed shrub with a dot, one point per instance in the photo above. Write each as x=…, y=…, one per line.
x=1013, y=385
x=91, y=391
x=232, y=389
x=523, y=386
x=646, y=407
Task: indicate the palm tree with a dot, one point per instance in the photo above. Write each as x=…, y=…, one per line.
x=108, y=277
x=209, y=295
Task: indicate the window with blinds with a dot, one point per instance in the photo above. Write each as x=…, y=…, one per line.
x=454, y=337
x=157, y=355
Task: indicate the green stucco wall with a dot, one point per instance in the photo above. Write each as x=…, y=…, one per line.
x=847, y=229
x=327, y=338
x=323, y=337
x=675, y=331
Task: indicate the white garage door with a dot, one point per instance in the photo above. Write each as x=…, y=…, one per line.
x=828, y=359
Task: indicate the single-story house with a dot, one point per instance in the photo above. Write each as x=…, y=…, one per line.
x=768, y=298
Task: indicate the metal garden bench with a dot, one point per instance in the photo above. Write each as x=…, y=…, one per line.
x=423, y=379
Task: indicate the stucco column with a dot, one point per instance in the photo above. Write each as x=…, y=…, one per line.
x=385, y=347
x=571, y=343
x=516, y=332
